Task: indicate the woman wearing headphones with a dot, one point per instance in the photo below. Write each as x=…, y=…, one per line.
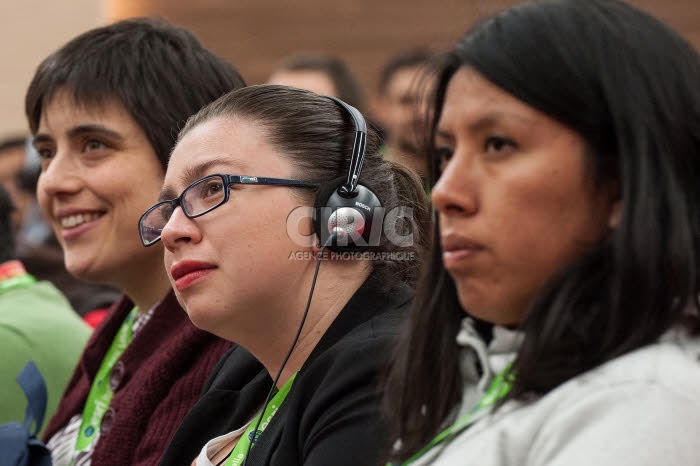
x=240, y=252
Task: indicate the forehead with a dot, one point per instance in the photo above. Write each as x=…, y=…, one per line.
x=225, y=145
x=63, y=108
x=470, y=98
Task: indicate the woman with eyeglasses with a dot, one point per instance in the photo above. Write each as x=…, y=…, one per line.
x=103, y=118
x=560, y=324
x=250, y=202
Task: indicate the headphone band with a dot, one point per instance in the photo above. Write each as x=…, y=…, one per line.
x=359, y=145
x=346, y=207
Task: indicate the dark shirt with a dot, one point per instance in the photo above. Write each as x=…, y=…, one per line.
x=330, y=416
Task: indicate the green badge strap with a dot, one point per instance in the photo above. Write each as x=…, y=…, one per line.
x=100, y=393
x=17, y=281
x=241, y=449
x=498, y=389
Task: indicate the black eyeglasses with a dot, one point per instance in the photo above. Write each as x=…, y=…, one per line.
x=202, y=196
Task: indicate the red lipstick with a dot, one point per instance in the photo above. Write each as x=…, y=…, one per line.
x=186, y=273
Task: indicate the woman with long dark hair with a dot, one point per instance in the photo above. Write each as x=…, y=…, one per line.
x=559, y=321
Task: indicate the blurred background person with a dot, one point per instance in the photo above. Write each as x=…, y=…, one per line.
x=399, y=108
x=15, y=167
x=104, y=111
x=322, y=74
x=36, y=323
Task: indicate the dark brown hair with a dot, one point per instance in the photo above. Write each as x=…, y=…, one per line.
x=159, y=72
x=317, y=135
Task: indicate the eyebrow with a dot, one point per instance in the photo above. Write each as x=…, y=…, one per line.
x=193, y=173
x=80, y=130
x=487, y=121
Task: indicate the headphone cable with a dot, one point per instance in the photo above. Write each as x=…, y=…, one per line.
x=271, y=393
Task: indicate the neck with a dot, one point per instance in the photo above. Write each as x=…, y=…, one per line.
x=311, y=334
x=146, y=299
x=332, y=292
x=146, y=283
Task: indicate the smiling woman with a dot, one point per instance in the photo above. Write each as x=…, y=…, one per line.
x=98, y=169
x=103, y=124
x=559, y=323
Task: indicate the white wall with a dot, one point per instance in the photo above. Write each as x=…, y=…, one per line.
x=29, y=31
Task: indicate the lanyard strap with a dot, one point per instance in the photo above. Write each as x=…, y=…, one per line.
x=100, y=393
x=241, y=449
x=13, y=275
x=499, y=388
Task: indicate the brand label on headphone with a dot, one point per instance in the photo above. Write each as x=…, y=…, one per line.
x=362, y=206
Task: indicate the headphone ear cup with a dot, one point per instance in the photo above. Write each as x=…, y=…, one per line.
x=325, y=191
x=349, y=217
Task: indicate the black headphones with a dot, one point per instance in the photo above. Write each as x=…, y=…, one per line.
x=343, y=220
x=343, y=206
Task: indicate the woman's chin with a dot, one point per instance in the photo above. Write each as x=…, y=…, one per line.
x=83, y=271
x=198, y=316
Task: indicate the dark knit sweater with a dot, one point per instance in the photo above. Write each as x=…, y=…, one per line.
x=164, y=369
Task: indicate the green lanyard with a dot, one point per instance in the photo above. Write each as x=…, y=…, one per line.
x=498, y=389
x=100, y=393
x=241, y=449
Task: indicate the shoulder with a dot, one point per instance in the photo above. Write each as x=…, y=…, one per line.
x=650, y=379
x=348, y=369
x=234, y=370
x=389, y=309
x=381, y=328
x=41, y=316
x=36, y=298
x=671, y=365
x=335, y=400
x=363, y=345
x=640, y=408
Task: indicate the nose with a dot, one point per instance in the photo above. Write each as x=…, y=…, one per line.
x=180, y=230
x=61, y=176
x=456, y=190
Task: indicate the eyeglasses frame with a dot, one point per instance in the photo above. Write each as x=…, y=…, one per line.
x=228, y=181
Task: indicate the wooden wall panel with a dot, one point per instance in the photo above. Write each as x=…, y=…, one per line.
x=31, y=30
x=256, y=34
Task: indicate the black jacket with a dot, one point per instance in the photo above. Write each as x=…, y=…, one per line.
x=330, y=416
